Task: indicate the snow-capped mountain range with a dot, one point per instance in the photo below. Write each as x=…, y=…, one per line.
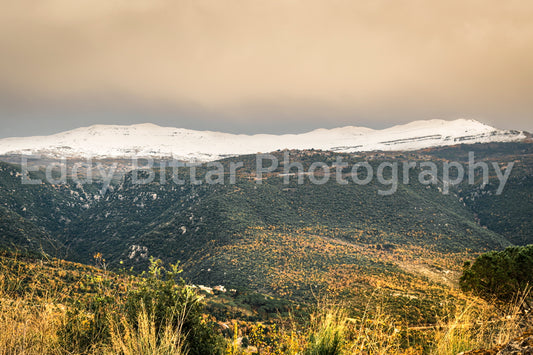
x=143, y=140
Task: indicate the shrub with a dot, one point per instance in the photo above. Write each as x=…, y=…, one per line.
x=499, y=275
x=85, y=326
x=174, y=304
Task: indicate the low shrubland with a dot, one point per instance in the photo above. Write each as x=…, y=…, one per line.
x=55, y=307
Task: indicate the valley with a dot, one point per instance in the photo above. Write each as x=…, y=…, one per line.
x=281, y=245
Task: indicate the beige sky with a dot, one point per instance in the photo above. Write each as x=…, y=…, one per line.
x=236, y=63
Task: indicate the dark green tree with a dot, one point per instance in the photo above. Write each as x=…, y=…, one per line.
x=499, y=274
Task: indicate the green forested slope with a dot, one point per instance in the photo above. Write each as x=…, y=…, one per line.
x=234, y=230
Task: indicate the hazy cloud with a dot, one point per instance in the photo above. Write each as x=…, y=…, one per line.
x=295, y=63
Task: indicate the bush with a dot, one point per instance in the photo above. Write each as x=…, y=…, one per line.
x=158, y=313
x=176, y=304
x=86, y=326
x=499, y=275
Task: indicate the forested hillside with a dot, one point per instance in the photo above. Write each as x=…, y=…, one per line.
x=273, y=250
x=251, y=234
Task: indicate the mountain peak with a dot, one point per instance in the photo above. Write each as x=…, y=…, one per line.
x=149, y=139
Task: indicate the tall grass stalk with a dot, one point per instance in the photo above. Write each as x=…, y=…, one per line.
x=479, y=325
x=143, y=338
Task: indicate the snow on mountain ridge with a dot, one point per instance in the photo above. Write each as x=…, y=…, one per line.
x=151, y=140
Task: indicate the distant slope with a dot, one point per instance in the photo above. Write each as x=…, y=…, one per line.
x=246, y=234
x=271, y=236
x=32, y=216
x=184, y=144
x=16, y=233
x=511, y=213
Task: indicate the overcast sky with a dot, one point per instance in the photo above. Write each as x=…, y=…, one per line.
x=263, y=65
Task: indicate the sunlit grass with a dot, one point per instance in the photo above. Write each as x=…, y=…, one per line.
x=33, y=323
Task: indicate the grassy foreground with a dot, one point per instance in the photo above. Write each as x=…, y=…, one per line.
x=57, y=307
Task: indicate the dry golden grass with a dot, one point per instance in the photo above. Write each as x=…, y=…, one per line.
x=476, y=324
x=28, y=328
x=479, y=325
x=29, y=324
x=332, y=331
x=144, y=339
